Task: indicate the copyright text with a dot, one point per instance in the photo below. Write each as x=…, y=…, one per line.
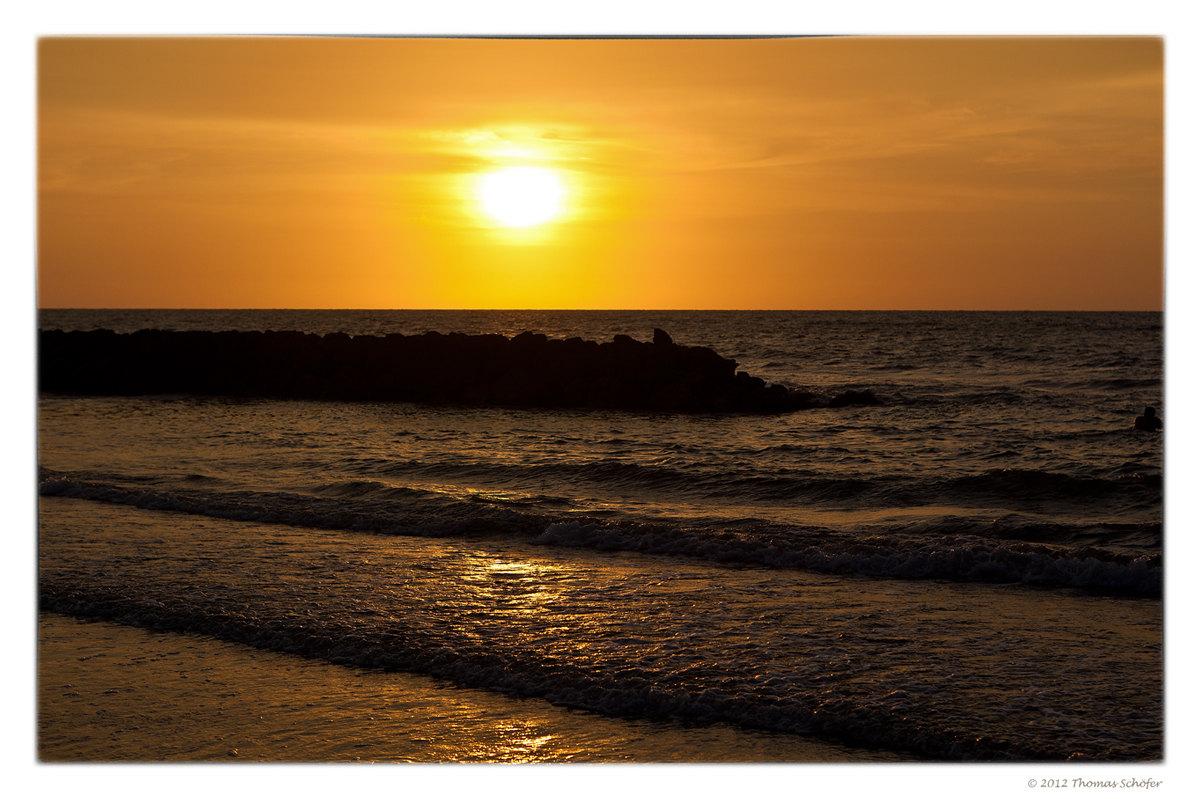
x=1082, y=783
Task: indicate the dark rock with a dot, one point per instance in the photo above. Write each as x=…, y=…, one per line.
x=853, y=397
x=1148, y=421
x=529, y=370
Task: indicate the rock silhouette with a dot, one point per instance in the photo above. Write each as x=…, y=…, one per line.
x=1148, y=421
x=528, y=370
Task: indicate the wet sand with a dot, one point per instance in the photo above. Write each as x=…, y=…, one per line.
x=112, y=693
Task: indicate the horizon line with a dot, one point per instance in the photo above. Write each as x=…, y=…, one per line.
x=618, y=310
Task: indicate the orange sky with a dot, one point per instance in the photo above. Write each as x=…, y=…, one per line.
x=836, y=173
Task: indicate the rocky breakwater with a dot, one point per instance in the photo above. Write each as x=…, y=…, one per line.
x=528, y=370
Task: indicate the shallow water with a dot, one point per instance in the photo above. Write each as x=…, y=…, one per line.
x=970, y=571
x=112, y=693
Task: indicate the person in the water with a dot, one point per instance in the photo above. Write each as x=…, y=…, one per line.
x=1148, y=421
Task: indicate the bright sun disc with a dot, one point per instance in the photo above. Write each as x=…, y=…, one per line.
x=521, y=196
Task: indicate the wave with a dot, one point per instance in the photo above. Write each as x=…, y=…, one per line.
x=1117, y=384
x=627, y=691
x=947, y=549
x=1027, y=484
x=1011, y=488
x=967, y=558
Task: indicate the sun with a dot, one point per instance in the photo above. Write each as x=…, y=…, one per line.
x=521, y=196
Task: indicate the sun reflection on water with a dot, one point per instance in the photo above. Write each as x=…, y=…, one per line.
x=511, y=742
x=514, y=586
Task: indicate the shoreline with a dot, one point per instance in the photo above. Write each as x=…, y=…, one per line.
x=111, y=693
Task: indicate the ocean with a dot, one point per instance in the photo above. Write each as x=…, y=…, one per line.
x=970, y=571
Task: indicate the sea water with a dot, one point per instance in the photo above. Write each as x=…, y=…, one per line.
x=972, y=570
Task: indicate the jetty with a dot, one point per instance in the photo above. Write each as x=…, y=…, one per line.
x=527, y=370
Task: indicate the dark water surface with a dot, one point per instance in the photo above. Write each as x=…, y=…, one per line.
x=971, y=571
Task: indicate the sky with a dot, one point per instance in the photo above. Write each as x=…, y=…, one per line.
x=955, y=173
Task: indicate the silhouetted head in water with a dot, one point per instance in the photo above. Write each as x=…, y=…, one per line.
x=1148, y=421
